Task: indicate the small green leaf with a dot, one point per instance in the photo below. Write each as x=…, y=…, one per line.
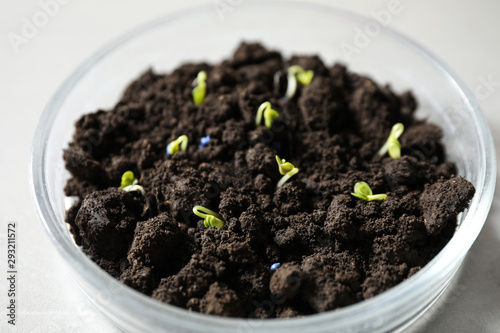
x=128, y=179
x=394, y=149
x=129, y=183
x=305, y=78
x=363, y=191
x=200, y=88
x=392, y=145
x=210, y=218
x=362, y=187
x=283, y=165
x=297, y=73
x=212, y=221
x=178, y=144
x=287, y=169
x=269, y=115
x=397, y=130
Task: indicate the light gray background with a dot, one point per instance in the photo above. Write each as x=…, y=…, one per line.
x=464, y=34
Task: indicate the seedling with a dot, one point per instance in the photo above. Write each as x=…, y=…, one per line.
x=275, y=266
x=287, y=169
x=173, y=147
x=210, y=218
x=297, y=73
x=200, y=88
x=392, y=144
x=204, y=142
x=129, y=183
x=363, y=191
x=269, y=114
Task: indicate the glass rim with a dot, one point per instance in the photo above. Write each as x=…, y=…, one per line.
x=375, y=307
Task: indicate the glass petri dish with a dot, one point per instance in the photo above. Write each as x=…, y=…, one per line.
x=210, y=34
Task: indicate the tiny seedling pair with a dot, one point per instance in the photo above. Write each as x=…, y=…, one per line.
x=179, y=144
x=392, y=145
x=129, y=183
x=210, y=218
x=362, y=190
x=295, y=74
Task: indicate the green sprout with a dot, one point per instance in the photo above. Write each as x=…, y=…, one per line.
x=128, y=179
x=363, y=191
x=210, y=218
x=173, y=147
x=200, y=88
x=269, y=114
x=287, y=169
x=297, y=73
x=392, y=144
x=129, y=183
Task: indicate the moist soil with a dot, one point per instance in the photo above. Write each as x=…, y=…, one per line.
x=334, y=249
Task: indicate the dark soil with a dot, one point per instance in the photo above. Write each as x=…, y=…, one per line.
x=334, y=249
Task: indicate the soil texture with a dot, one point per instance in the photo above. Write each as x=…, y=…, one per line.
x=333, y=248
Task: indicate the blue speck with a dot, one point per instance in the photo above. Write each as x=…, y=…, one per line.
x=168, y=153
x=204, y=141
x=275, y=266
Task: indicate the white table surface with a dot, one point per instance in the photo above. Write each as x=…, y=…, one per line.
x=464, y=34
